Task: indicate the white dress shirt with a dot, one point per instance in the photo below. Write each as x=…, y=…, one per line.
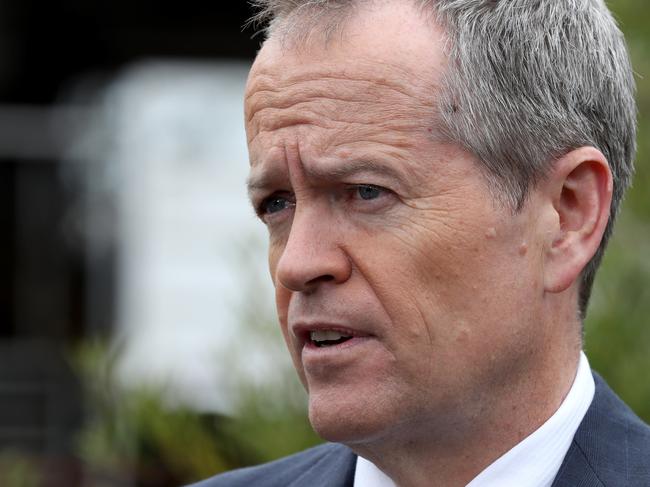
x=536, y=460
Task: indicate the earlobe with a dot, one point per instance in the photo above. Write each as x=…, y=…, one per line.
x=580, y=189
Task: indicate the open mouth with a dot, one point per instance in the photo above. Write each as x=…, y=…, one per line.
x=327, y=338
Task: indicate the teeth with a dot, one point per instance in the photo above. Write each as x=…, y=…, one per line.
x=326, y=335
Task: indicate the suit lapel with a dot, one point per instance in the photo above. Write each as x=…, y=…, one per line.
x=576, y=471
x=335, y=469
x=600, y=452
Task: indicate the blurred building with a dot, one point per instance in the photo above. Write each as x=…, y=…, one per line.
x=116, y=120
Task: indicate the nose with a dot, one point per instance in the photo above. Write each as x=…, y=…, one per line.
x=313, y=254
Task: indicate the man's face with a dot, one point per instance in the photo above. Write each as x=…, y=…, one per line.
x=386, y=245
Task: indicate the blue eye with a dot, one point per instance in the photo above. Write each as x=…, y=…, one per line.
x=367, y=192
x=275, y=204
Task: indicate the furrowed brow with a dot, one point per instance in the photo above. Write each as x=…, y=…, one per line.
x=268, y=179
x=264, y=180
x=353, y=167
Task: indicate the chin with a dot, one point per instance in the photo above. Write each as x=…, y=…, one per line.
x=346, y=421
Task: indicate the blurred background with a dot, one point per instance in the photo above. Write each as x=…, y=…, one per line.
x=138, y=343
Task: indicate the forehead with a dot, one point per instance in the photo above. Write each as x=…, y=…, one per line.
x=342, y=99
x=387, y=48
x=368, y=94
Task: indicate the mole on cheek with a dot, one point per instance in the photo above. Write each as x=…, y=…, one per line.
x=523, y=249
x=462, y=335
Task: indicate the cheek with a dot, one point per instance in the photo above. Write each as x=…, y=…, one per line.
x=417, y=262
x=275, y=252
x=435, y=284
x=282, y=300
x=282, y=294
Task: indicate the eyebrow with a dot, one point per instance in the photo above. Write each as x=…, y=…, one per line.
x=265, y=178
x=353, y=167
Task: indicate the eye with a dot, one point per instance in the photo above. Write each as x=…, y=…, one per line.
x=369, y=192
x=274, y=204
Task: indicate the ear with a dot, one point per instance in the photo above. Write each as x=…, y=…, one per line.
x=580, y=190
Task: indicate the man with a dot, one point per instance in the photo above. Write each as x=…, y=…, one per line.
x=439, y=179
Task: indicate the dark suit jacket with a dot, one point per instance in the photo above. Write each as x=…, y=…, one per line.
x=610, y=449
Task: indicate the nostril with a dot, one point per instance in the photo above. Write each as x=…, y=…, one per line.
x=313, y=283
x=324, y=278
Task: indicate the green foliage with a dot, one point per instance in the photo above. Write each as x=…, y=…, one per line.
x=617, y=331
x=18, y=470
x=134, y=434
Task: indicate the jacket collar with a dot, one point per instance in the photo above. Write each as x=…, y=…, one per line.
x=607, y=448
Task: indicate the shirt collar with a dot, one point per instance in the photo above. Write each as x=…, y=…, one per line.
x=536, y=460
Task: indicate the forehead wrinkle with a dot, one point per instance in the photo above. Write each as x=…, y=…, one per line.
x=269, y=175
x=346, y=114
x=390, y=141
x=310, y=104
x=267, y=171
x=271, y=74
x=270, y=87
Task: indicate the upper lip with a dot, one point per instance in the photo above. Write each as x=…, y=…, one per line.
x=302, y=330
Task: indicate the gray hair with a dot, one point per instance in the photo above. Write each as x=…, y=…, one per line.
x=529, y=81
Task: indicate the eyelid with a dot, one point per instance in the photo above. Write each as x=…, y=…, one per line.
x=370, y=185
x=351, y=190
x=357, y=186
x=260, y=206
x=385, y=199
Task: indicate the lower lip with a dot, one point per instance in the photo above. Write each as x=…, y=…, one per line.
x=312, y=352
